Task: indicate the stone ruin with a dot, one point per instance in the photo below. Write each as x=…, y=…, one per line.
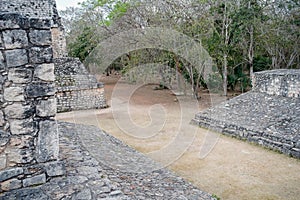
x=76, y=88
x=32, y=49
x=269, y=115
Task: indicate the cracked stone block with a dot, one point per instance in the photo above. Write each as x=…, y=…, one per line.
x=18, y=111
x=16, y=57
x=15, y=39
x=17, y=75
x=10, y=173
x=40, y=90
x=48, y=141
x=41, y=55
x=46, y=108
x=55, y=168
x=21, y=127
x=11, y=184
x=40, y=37
x=45, y=72
x=33, y=181
x=14, y=94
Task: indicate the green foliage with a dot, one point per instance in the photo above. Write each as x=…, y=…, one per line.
x=83, y=44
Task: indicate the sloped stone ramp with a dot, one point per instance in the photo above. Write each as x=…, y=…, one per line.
x=268, y=120
x=99, y=166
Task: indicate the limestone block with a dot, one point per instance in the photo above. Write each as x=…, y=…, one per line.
x=12, y=21
x=11, y=184
x=40, y=55
x=17, y=75
x=33, y=181
x=55, y=168
x=16, y=156
x=2, y=64
x=40, y=90
x=46, y=108
x=14, y=94
x=15, y=39
x=45, y=72
x=40, y=37
x=16, y=57
x=48, y=141
x=18, y=111
x=10, y=173
x=21, y=127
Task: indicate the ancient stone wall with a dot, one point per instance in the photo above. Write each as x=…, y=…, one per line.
x=40, y=9
x=76, y=88
x=28, y=132
x=280, y=82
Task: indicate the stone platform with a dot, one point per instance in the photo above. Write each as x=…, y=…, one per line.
x=98, y=166
x=270, y=121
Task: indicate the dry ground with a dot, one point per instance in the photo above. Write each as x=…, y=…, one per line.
x=233, y=169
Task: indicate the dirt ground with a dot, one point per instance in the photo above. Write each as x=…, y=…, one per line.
x=232, y=169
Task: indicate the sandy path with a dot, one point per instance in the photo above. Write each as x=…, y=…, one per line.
x=232, y=170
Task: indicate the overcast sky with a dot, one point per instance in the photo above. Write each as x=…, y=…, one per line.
x=62, y=4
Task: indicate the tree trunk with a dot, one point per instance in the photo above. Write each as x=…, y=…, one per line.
x=225, y=75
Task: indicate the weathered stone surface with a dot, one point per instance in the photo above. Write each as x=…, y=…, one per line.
x=55, y=168
x=16, y=57
x=40, y=23
x=18, y=111
x=11, y=184
x=2, y=122
x=266, y=116
x=40, y=37
x=40, y=55
x=40, y=89
x=45, y=72
x=4, y=138
x=46, y=108
x=280, y=82
x=2, y=161
x=16, y=156
x=14, y=94
x=84, y=194
x=25, y=141
x=76, y=88
x=15, y=39
x=2, y=64
x=10, y=173
x=48, y=141
x=12, y=21
x=19, y=75
x=21, y=127
x=33, y=181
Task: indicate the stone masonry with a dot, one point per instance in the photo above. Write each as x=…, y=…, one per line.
x=269, y=115
x=76, y=88
x=40, y=9
x=28, y=132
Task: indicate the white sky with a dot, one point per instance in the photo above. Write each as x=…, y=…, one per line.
x=62, y=4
